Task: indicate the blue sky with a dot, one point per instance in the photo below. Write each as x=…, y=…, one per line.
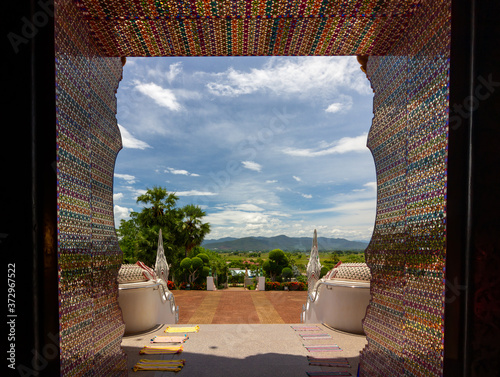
x=266, y=146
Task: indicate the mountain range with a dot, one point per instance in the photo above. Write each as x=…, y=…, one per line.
x=281, y=242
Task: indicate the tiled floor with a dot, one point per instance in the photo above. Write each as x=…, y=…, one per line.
x=233, y=306
x=247, y=350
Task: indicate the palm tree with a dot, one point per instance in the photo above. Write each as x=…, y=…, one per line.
x=193, y=229
x=162, y=211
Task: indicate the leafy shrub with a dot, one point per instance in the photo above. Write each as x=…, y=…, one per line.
x=273, y=286
x=292, y=286
x=302, y=278
x=194, y=286
x=324, y=271
x=286, y=273
x=295, y=286
x=196, y=263
x=181, y=285
x=186, y=264
x=199, y=286
x=170, y=285
x=203, y=257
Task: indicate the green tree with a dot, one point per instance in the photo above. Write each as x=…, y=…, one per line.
x=193, y=229
x=324, y=271
x=295, y=271
x=220, y=269
x=182, y=229
x=192, y=267
x=161, y=210
x=278, y=256
x=127, y=238
x=147, y=245
x=334, y=257
x=275, y=264
x=203, y=257
x=286, y=273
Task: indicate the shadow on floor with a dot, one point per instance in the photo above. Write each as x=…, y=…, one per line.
x=261, y=365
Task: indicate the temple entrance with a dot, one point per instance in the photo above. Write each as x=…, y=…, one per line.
x=430, y=109
x=286, y=154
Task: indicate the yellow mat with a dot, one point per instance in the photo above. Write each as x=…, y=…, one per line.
x=182, y=329
x=164, y=365
x=152, y=350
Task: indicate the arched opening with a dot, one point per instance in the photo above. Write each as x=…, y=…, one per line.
x=409, y=253
x=400, y=104
x=267, y=146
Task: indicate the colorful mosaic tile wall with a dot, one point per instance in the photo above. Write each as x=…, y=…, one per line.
x=246, y=28
x=88, y=139
x=405, y=319
x=408, y=139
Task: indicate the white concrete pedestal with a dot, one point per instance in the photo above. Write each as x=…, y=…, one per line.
x=210, y=283
x=262, y=283
x=144, y=305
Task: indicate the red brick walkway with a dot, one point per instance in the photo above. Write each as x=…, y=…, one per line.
x=231, y=306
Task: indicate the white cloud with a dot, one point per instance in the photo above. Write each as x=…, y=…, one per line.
x=230, y=216
x=180, y=172
x=173, y=71
x=121, y=213
x=127, y=177
x=362, y=205
x=343, y=103
x=289, y=76
x=118, y=196
x=282, y=189
x=351, y=234
x=277, y=213
x=163, y=97
x=195, y=193
x=177, y=172
x=261, y=202
x=344, y=145
x=130, y=141
x=136, y=192
x=251, y=165
x=248, y=207
x=334, y=107
x=372, y=185
x=267, y=203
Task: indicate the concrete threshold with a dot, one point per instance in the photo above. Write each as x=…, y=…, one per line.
x=247, y=350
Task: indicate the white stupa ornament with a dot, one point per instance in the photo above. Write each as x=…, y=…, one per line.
x=161, y=266
x=314, y=266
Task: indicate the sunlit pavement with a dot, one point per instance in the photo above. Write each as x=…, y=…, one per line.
x=246, y=350
x=231, y=306
x=249, y=343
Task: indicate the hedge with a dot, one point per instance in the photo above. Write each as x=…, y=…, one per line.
x=195, y=286
x=292, y=286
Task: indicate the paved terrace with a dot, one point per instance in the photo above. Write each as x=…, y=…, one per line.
x=245, y=334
